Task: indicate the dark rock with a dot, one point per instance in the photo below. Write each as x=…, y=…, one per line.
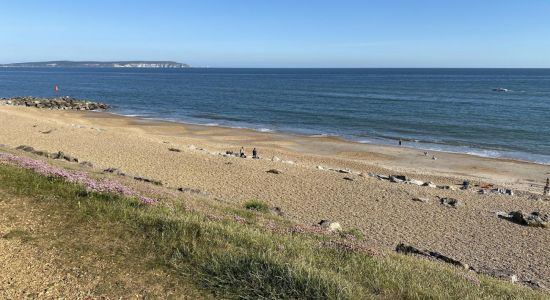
x=277, y=211
x=25, y=148
x=398, y=178
x=534, y=219
x=465, y=185
x=58, y=155
x=349, y=178
x=42, y=153
x=174, y=150
x=450, y=202
x=408, y=249
x=189, y=190
x=155, y=182
x=87, y=164
x=534, y=284
x=274, y=171
x=70, y=158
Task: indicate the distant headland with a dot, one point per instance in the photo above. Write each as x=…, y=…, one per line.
x=99, y=64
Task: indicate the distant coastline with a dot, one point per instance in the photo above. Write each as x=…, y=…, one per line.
x=99, y=64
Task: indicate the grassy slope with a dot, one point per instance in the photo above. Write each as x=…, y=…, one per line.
x=245, y=260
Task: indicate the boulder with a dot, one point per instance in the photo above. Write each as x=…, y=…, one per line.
x=534, y=219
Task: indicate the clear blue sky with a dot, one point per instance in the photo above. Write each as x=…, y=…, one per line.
x=281, y=33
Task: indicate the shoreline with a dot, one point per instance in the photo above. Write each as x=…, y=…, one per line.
x=422, y=146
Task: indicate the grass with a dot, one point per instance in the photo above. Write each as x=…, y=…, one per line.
x=246, y=260
x=257, y=205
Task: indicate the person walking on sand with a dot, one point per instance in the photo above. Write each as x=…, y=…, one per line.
x=255, y=153
x=547, y=187
x=400, y=142
x=241, y=153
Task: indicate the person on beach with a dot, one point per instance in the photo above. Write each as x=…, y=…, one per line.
x=400, y=142
x=547, y=187
x=241, y=153
x=255, y=153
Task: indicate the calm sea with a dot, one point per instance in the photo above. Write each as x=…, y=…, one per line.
x=441, y=109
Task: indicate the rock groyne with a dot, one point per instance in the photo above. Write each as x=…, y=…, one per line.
x=54, y=103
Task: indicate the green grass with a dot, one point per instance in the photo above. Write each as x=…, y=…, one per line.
x=257, y=205
x=245, y=260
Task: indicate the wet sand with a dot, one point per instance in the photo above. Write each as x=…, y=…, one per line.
x=384, y=211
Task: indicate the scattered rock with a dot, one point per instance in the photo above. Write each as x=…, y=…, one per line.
x=114, y=171
x=58, y=155
x=86, y=164
x=330, y=226
x=503, y=191
x=70, y=158
x=534, y=219
x=450, y=202
x=349, y=178
x=501, y=274
x=398, y=178
x=47, y=131
x=421, y=199
x=174, y=149
x=155, y=182
x=274, y=171
x=25, y=148
x=320, y=168
x=275, y=159
x=465, y=185
x=430, y=184
x=415, y=182
x=534, y=284
x=343, y=171
x=189, y=190
x=408, y=249
x=447, y=187
x=290, y=162
x=277, y=211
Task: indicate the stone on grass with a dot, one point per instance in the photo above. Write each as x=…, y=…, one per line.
x=330, y=226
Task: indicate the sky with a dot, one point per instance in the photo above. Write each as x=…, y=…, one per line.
x=281, y=33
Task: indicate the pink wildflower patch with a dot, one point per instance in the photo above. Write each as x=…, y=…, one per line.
x=91, y=185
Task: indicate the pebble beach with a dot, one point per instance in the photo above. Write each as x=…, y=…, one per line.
x=319, y=178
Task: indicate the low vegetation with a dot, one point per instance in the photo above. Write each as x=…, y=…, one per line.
x=257, y=205
x=241, y=256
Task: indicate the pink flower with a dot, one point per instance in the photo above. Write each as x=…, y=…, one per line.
x=91, y=185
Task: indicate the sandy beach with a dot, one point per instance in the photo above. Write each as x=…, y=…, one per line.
x=307, y=190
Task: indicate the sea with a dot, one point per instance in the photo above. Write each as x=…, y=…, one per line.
x=502, y=113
